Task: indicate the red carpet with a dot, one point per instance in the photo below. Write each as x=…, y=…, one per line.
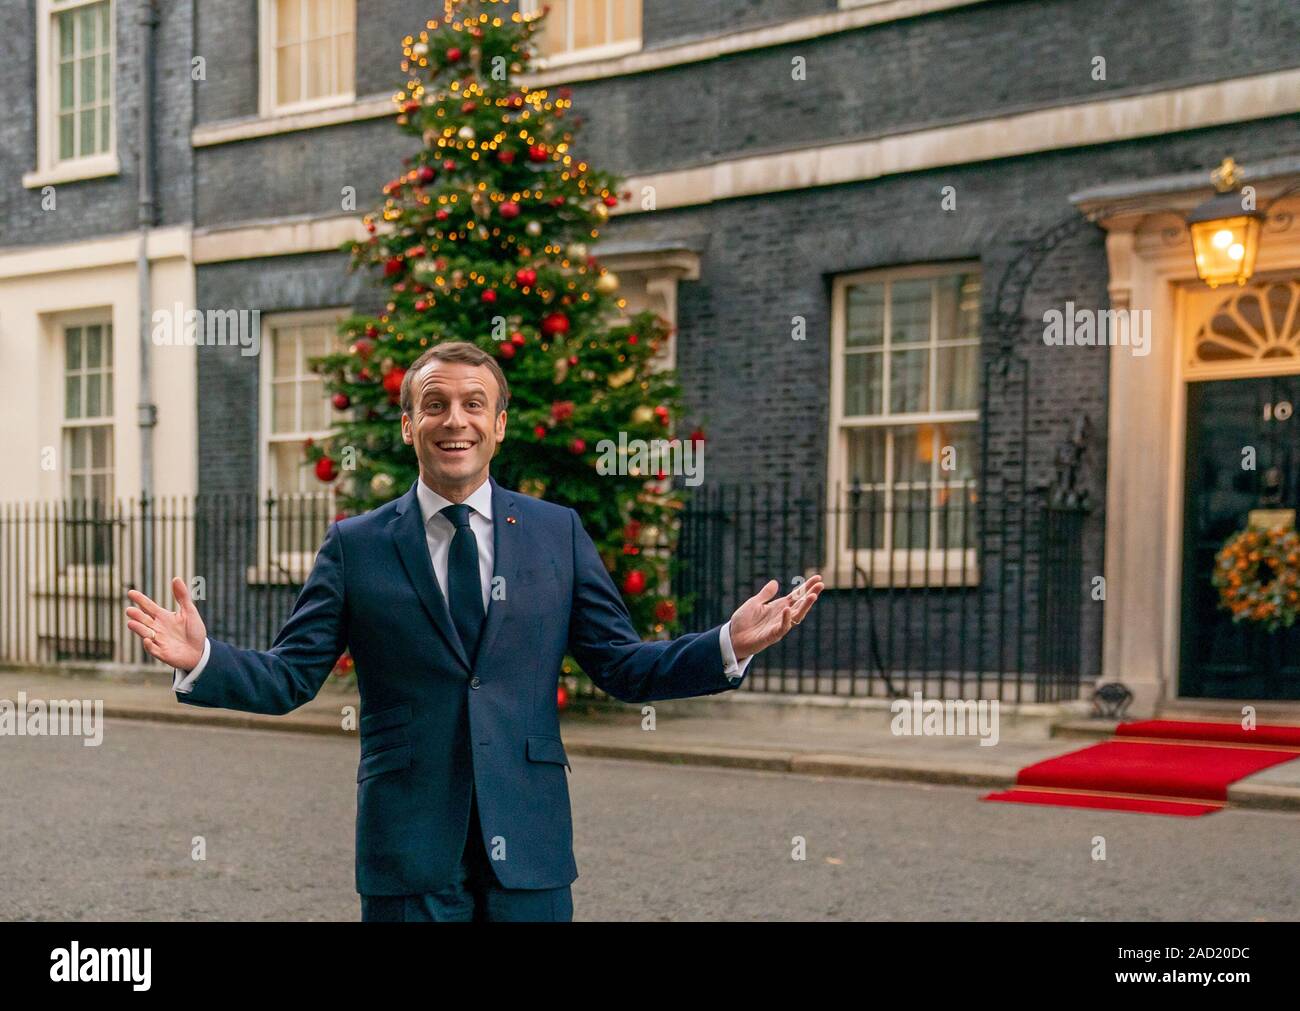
x=1156, y=767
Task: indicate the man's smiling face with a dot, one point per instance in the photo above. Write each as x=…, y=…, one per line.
x=456, y=427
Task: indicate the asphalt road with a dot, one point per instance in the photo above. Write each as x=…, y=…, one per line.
x=107, y=833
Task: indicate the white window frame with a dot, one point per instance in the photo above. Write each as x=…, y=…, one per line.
x=50, y=168
x=269, y=105
x=286, y=563
x=899, y=567
x=604, y=51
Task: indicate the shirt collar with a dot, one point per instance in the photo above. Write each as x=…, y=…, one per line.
x=431, y=503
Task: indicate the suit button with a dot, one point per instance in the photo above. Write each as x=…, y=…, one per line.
x=474, y=681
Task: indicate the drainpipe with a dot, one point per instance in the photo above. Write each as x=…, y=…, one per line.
x=147, y=410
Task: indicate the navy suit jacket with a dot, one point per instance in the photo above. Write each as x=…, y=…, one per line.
x=431, y=723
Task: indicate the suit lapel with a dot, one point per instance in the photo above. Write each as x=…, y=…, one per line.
x=506, y=551
x=407, y=530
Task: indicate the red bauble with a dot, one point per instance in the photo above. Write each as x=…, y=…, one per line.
x=632, y=531
x=442, y=214
x=697, y=436
x=364, y=375
x=341, y=401
x=634, y=582
x=393, y=265
x=509, y=210
x=611, y=201
x=557, y=201
x=421, y=305
x=562, y=410
x=489, y=295
x=372, y=330
x=561, y=697
x=526, y=276
x=632, y=338
x=506, y=350
x=340, y=516
x=666, y=609
x=453, y=54
x=363, y=347
x=540, y=431
x=555, y=323
x=468, y=106
x=426, y=173
x=577, y=447
x=326, y=470
x=518, y=339
x=536, y=152
x=506, y=157
x=411, y=106
x=393, y=382
x=449, y=164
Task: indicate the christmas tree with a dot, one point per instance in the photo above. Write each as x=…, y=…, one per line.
x=483, y=238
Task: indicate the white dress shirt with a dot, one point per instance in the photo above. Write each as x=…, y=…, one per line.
x=439, y=530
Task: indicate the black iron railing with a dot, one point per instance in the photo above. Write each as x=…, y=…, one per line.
x=928, y=588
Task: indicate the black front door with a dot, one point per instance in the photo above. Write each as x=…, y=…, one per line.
x=1220, y=659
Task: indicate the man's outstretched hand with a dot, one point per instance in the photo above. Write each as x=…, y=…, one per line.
x=174, y=637
x=761, y=621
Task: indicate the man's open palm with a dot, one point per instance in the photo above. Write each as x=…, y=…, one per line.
x=761, y=621
x=174, y=637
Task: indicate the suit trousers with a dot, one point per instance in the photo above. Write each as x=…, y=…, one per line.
x=476, y=896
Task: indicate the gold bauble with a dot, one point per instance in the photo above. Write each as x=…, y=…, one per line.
x=618, y=379
x=607, y=283
x=577, y=251
x=466, y=133
x=643, y=415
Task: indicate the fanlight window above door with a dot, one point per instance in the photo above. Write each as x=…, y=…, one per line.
x=1259, y=323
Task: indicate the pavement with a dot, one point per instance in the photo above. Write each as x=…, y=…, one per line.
x=749, y=730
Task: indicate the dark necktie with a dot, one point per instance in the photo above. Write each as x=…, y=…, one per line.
x=464, y=589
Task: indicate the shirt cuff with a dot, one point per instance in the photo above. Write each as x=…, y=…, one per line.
x=185, y=683
x=730, y=666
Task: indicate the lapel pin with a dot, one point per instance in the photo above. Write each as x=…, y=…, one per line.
x=510, y=519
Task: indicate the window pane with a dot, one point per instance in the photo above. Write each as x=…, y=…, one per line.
x=67, y=146
x=93, y=407
x=282, y=419
x=105, y=68
x=909, y=306
x=288, y=16
x=104, y=127
x=99, y=448
x=956, y=451
x=552, y=37
x=909, y=381
x=94, y=343
x=288, y=86
x=89, y=17
x=863, y=381
x=865, y=323
x=913, y=454
x=320, y=54
x=864, y=520
x=866, y=456
x=282, y=364
x=103, y=25
x=957, y=377
x=957, y=304
x=87, y=91
x=911, y=519
x=344, y=63
x=67, y=37
x=108, y=394
x=72, y=347
x=627, y=25
x=87, y=144
x=313, y=405
x=77, y=449
x=66, y=93
x=72, y=397
x=588, y=23
x=288, y=467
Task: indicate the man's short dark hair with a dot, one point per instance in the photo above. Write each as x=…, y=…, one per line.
x=454, y=351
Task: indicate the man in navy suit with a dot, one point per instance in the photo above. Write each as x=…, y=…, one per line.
x=458, y=602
